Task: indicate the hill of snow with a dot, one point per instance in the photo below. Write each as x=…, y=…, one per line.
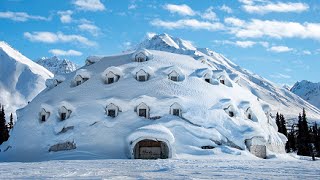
x=308, y=91
x=56, y=65
x=191, y=99
x=20, y=78
x=200, y=108
x=280, y=99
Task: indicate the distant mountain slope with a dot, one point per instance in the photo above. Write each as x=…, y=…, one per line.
x=20, y=78
x=280, y=99
x=56, y=65
x=308, y=91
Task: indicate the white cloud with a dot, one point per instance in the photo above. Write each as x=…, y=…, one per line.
x=277, y=29
x=65, y=16
x=306, y=52
x=132, y=6
x=234, y=21
x=188, y=23
x=280, y=76
x=59, y=52
x=280, y=49
x=275, y=7
x=226, y=9
x=209, y=14
x=89, y=5
x=243, y=44
x=182, y=9
x=21, y=16
x=91, y=28
x=50, y=37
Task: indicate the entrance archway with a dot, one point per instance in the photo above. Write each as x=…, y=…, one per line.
x=151, y=149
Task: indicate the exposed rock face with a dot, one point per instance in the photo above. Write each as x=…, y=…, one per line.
x=56, y=65
x=63, y=146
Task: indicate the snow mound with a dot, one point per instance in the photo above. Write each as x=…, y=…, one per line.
x=187, y=116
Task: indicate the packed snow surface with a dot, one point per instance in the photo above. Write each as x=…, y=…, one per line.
x=20, y=78
x=308, y=91
x=163, y=169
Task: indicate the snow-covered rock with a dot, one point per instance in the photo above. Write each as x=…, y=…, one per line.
x=308, y=91
x=56, y=65
x=20, y=78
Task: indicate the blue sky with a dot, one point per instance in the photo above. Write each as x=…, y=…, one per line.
x=278, y=40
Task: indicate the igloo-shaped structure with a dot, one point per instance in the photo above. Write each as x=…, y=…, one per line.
x=158, y=118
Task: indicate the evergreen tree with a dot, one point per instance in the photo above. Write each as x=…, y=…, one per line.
x=278, y=122
x=4, y=133
x=304, y=146
x=283, y=127
x=10, y=124
x=292, y=140
x=316, y=139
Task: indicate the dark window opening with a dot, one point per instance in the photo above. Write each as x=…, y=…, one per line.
x=110, y=80
x=43, y=118
x=174, y=78
x=143, y=113
x=231, y=114
x=249, y=116
x=142, y=78
x=112, y=113
x=63, y=116
x=222, y=81
x=176, y=112
x=207, y=80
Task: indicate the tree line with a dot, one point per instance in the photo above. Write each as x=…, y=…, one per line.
x=302, y=138
x=4, y=126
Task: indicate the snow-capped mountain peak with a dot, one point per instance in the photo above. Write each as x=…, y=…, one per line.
x=57, y=65
x=20, y=78
x=165, y=42
x=308, y=91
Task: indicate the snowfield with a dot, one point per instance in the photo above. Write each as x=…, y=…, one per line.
x=163, y=169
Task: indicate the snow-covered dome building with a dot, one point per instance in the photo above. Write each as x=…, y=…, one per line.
x=163, y=105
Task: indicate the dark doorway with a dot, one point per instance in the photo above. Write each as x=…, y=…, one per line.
x=150, y=149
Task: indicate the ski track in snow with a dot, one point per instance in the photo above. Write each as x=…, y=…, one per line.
x=162, y=169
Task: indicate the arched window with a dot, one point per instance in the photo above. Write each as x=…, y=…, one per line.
x=176, y=109
x=111, y=78
x=174, y=76
x=64, y=113
x=43, y=115
x=143, y=110
x=142, y=75
x=112, y=110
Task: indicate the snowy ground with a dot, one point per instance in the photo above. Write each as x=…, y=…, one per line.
x=163, y=169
